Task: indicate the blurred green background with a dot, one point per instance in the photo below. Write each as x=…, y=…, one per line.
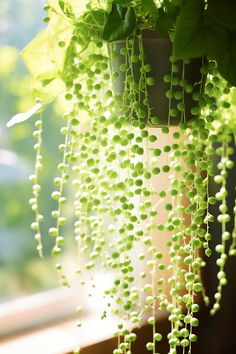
x=21, y=269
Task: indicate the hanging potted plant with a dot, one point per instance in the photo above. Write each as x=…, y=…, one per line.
x=117, y=92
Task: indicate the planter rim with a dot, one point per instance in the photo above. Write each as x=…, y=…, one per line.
x=147, y=34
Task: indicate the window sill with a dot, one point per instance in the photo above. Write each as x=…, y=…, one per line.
x=36, y=310
x=64, y=337
x=61, y=338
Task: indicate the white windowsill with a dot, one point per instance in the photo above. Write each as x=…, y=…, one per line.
x=61, y=338
x=64, y=337
x=36, y=310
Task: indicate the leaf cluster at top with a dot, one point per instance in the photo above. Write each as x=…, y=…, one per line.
x=208, y=29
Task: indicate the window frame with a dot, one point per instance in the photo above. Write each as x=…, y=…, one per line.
x=37, y=310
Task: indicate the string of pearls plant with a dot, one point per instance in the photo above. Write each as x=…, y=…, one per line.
x=113, y=164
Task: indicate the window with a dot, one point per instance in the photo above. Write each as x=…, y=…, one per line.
x=21, y=271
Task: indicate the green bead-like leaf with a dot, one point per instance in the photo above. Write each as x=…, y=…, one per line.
x=223, y=12
x=120, y=23
x=196, y=33
x=61, y=4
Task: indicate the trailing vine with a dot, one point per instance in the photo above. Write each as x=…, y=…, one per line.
x=138, y=180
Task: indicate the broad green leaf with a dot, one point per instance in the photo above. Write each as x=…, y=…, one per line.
x=21, y=117
x=95, y=19
x=54, y=4
x=188, y=35
x=126, y=3
x=77, y=6
x=61, y=3
x=196, y=34
x=70, y=53
x=151, y=8
x=90, y=24
x=65, y=7
x=215, y=35
x=164, y=22
x=226, y=59
x=38, y=56
x=47, y=88
x=120, y=23
x=43, y=56
x=223, y=12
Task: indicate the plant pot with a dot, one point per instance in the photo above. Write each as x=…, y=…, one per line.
x=157, y=53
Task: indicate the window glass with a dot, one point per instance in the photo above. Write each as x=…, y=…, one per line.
x=21, y=270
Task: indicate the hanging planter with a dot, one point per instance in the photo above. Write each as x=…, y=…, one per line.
x=110, y=165
x=187, y=79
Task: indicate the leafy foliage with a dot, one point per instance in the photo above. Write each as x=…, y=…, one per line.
x=223, y=13
x=208, y=32
x=226, y=58
x=120, y=23
x=45, y=59
x=151, y=8
x=164, y=22
x=112, y=164
x=193, y=37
